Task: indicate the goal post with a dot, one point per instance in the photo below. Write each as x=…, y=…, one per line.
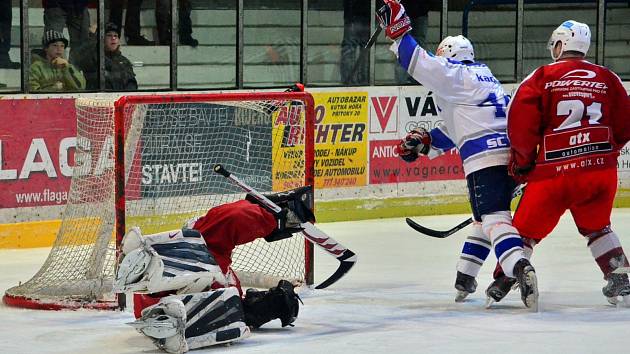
x=146, y=161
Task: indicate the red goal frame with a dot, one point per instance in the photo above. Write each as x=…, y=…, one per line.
x=119, y=146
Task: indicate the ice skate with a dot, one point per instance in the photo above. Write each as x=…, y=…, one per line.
x=527, y=282
x=465, y=285
x=499, y=288
x=617, y=287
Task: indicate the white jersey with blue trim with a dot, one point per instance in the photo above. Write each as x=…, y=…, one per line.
x=470, y=100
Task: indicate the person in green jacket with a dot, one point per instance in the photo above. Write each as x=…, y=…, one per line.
x=50, y=71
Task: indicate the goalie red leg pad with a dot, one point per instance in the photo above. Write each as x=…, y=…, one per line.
x=142, y=301
x=226, y=226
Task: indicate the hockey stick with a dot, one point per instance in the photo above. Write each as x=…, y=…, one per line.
x=435, y=233
x=443, y=234
x=316, y=236
x=364, y=52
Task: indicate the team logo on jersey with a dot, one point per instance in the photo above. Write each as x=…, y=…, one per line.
x=579, y=74
x=577, y=78
x=578, y=142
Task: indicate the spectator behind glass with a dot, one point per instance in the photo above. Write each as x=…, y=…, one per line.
x=50, y=72
x=5, y=36
x=71, y=13
x=119, y=75
x=418, y=12
x=356, y=32
x=162, y=18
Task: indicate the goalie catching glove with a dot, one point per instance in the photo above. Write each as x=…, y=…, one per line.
x=393, y=19
x=416, y=142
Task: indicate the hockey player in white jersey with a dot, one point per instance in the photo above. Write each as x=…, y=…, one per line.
x=472, y=104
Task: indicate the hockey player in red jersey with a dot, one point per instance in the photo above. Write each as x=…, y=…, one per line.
x=566, y=124
x=186, y=294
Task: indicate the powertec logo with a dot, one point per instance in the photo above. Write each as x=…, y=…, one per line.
x=577, y=78
x=579, y=74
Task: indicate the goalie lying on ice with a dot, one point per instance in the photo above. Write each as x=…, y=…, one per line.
x=187, y=296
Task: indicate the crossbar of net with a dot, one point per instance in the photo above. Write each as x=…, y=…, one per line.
x=169, y=151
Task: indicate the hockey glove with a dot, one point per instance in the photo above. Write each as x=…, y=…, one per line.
x=393, y=19
x=518, y=172
x=417, y=141
x=296, y=87
x=278, y=302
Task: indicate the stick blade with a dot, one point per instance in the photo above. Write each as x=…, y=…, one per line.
x=346, y=261
x=423, y=230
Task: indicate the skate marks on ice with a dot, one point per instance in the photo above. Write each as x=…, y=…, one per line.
x=399, y=299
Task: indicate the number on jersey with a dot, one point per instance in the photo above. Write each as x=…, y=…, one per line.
x=574, y=110
x=499, y=105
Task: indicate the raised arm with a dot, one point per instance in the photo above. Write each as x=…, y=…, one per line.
x=439, y=74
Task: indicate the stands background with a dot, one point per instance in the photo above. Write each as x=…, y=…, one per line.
x=269, y=53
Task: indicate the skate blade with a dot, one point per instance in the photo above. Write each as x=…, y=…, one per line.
x=489, y=302
x=623, y=302
x=612, y=300
x=621, y=270
x=531, y=301
x=461, y=296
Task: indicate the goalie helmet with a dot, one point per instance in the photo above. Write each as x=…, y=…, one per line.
x=457, y=47
x=575, y=36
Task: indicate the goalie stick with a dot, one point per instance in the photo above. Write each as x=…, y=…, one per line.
x=443, y=234
x=364, y=51
x=346, y=257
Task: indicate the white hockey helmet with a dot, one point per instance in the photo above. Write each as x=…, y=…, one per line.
x=574, y=36
x=456, y=47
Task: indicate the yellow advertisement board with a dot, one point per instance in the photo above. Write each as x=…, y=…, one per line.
x=341, y=138
x=288, y=147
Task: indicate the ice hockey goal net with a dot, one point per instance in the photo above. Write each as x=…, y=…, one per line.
x=146, y=160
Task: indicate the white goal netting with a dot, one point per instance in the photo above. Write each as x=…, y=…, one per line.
x=171, y=144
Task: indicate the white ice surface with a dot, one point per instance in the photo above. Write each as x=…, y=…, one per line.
x=397, y=299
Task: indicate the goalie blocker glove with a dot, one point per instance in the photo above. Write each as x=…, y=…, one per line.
x=416, y=142
x=280, y=302
x=393, y=19
x=297, y=208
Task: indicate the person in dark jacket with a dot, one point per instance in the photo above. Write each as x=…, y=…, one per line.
x=356, y=32
x=5, y=36
x=119, y=74
x=162, y=19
